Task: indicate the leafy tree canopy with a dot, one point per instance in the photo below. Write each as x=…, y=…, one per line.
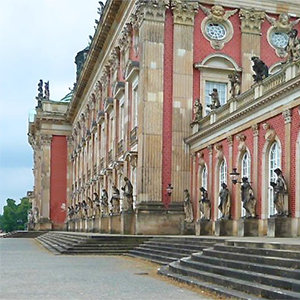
x=14, y=215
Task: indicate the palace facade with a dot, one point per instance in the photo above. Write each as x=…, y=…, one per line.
x=142, y=109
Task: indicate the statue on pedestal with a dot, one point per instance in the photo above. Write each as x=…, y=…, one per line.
x=225, y=204
x=127, y=195
x=46, y=91
x=280, y=192
x=70, y=213
x=36, y=214
x=235, y=84
x=115, y=200
x=248, y=199
x=215, y=101
x=85, y=208
x=104, y=202
x=188, y=207
x=260, y=69
x=198, y=114
x=97, y=204
x=30, y=220
x=204, y=205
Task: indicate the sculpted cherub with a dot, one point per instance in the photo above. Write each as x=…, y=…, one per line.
x=283, y=22
x=217, y=13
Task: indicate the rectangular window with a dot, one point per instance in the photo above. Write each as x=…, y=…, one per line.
x=121, y=119
x=135, y=99
x=222, y=91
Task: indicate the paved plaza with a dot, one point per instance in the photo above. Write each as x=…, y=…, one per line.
x=28, y=271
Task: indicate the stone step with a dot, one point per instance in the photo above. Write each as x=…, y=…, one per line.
x=57, y=241
x=53, y=247
x=254, y=267
x=259, y=251
x=87, y=245
x=152, y=256
x=238, y=284
x=100, y=248
x=183, y=250
x=178, y=245
x=274, y=261
x=224, y=292
x=249, y=276
x=94, y=252
x=269, y=245
x=69, y=238
x=145, y=249
x=157, y=261
x=184, y=239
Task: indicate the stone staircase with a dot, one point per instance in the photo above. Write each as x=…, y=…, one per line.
x=68, y=243
x=244, y=270
x=163, y=250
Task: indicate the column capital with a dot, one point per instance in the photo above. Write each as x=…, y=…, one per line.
x=46, y=139
x=210, y=149
x=255, y=129
x=230, y=140
x=251, y=21
x=184, y=12
x=287, y=114
x=151, y=10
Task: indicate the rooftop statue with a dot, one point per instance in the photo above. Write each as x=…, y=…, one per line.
x=260, y=68
x=235, y=84
x=40, y=90
x=215, y=101
x=293, y=46
x=47, y=92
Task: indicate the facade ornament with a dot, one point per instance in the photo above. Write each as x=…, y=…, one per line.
x=235, y=84
x=293, y=46
x=204, y=205
x=201, y=160
x=219, y=149
x=255, y=129
x=216, y=27
x=241, y=139
x=46, y=139
x=280, y=192
x=248, y=199
x=277, y=34
x=251, y=21
x=225, y=202
x=188, y=208
x=183, y=12
x=270, y=132
x=230, y=140
x=287, y=114
x=210, y=149
x=260, y=68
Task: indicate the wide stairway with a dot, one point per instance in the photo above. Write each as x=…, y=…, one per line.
x=163, y=250
x=68, y=243
x=23, y=234
x=242, y=269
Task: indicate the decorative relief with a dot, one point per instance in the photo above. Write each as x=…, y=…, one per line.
x=241, y=139
x=255, y=129
x=219, y=149
x=210, y=149
x=183, y=12
x=216, y=27
x=46, y=139
x=230, y=140
x=251, y=21
x=287, y=114
x=277, y=34
x=270, y=132
x=201, y=160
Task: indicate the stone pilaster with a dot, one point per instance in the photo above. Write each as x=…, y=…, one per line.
x=70, y=172
x=183, y=18
x=287, y=114
x=45, y=182
x=251, y=21
x=151, y=20
x=210, y=181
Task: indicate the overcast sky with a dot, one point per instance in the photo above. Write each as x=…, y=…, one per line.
x=39, y=40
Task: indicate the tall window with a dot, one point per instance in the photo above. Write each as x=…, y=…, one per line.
x=222, y=91
x=121, y=119
x=204, y=178
x=135, y=99
x=274, y=163
x=222, y=179
x=246, y=163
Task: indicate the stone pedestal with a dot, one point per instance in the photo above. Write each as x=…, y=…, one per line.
x=104, y=224
x=187, y=228
x=281, y=227
x=97, y=224
x=224, y=228
x=43, y=224
x=128, y=223
x=114, y=224
x=204, y=227
x=248, y=227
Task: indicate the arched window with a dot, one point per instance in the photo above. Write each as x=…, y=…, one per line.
x=246, y=172
x=274, y=163
x=222, y=179
x=204, y=178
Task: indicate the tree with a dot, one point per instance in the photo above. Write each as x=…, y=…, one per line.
x=14, y=216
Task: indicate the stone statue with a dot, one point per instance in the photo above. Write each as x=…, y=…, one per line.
x=235, y=84
x=104, y=202
x=215, y=101
x=97, y=204
x=85, y=207
x=188, y=207
x=70, y=213
x=248, y=199
x=225, y=204
x=115, y=200
x=30, y=220
x=260, y=68
x=40, y=90
x=204, y=205
x=198, y=114
x=127, y=195
x=36, y=214
x=47, y=92
x=283, y=23
x=293, y=46
x=217, y=13
x=280, y=192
